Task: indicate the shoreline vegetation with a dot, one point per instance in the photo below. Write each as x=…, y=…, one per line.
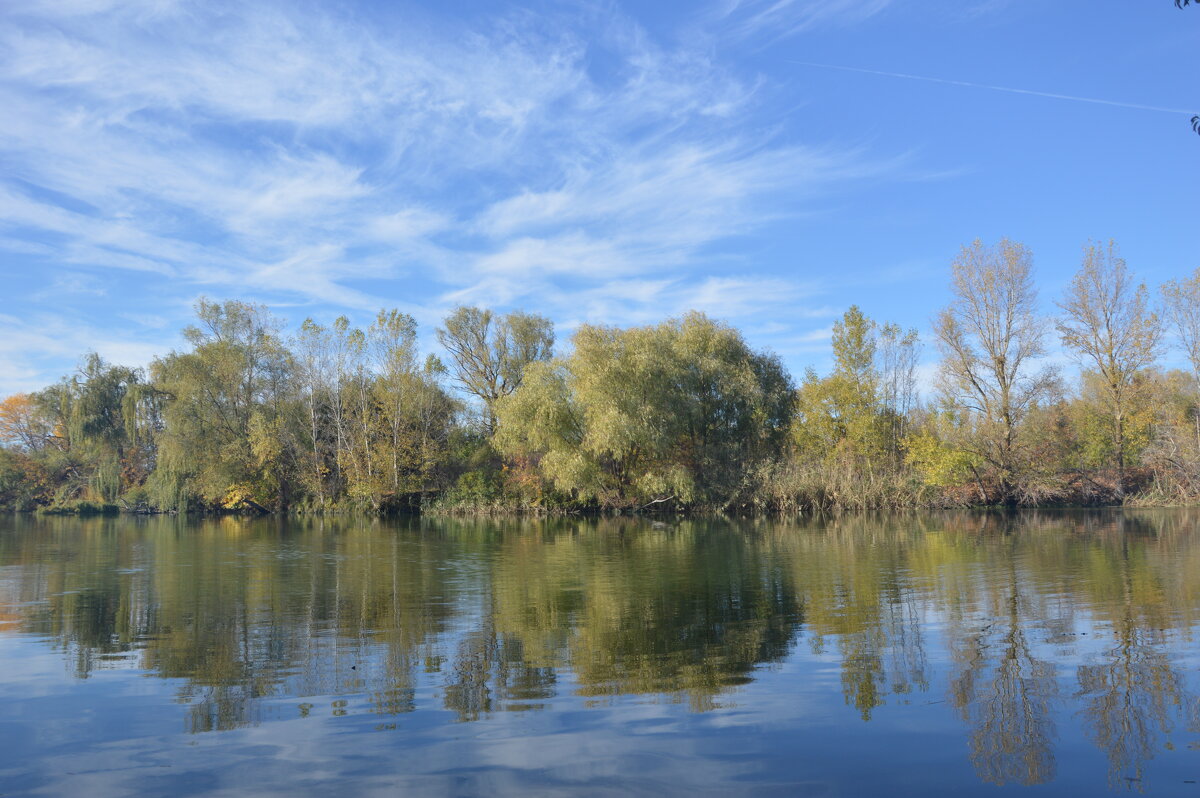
x=679, y=417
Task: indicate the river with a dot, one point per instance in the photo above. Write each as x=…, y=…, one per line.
x=1039, y=652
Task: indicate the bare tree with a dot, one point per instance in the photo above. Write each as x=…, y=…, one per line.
x=987, y=336
x=314, y=374
x=1182, y=299
x=898, y=354
x=489, y=353
x=1182, y=304
x=1107, y=321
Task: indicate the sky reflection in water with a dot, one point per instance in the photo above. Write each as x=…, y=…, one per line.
x=922, y=655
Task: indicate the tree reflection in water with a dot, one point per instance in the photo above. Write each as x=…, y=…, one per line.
x=1028, y=620
x=1005, y=693
x=1133, y=695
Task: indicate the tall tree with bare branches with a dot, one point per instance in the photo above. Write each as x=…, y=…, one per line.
x=987, y=337
x=1182, y=298
x=1108, y=323
x=489, y=353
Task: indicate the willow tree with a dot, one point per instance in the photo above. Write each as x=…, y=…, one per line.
x=489, y=353
x=677, y=412
x=1108, y=323
x=100, y=421
x=988, y=335
x=225, y=438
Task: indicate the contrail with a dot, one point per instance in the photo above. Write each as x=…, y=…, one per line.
x=996, y=88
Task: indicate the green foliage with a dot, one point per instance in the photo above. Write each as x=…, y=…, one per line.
x=226, y=396
x=80, y=507
x=475, y=489
x=105, y=480
x=847, y=425
x=939, y=462
x=677, y=412
x=93, y=448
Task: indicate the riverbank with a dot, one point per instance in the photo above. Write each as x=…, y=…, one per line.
x=501, y=510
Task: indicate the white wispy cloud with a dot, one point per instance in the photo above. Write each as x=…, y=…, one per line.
x=317, y=156
x=777, y=19
x=69, y=283
x=24, y=342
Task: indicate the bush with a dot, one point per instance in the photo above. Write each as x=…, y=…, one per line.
x=24, y=485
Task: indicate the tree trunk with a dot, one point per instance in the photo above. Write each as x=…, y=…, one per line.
x=1120, y=442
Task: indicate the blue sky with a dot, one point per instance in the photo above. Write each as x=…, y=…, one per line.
x=594, y=161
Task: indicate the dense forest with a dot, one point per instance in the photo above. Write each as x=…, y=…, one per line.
x=679, y=416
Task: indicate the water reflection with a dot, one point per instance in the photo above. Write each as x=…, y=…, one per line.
x=1019, y=623
x=1004, y=691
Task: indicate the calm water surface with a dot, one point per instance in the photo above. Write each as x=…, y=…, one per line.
x=1044, y=653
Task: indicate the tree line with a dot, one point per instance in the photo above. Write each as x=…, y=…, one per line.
x=680, y=415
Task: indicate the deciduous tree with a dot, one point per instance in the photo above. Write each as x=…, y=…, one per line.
x=489, y=354
x=223, y=418
x=680, y=411
x=1108, y=323
x=23, y=425
x=988, y=336
x=1182, y=300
